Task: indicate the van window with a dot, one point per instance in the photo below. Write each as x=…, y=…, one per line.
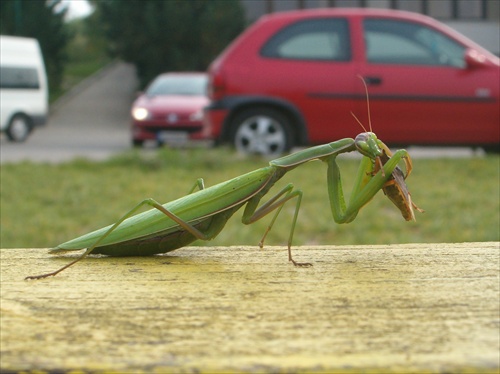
x=317, y=39
x=19, y=77
x=399, y=42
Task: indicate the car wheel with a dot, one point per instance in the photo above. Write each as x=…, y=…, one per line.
x=262, y=131
x=137, y=143
x=19, y=128
x=492, y=149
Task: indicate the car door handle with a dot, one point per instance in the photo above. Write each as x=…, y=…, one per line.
x=372, y=81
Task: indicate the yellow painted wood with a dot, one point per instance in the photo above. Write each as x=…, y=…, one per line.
x=401, y=308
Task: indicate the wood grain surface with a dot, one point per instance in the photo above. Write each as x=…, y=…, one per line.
x=399, y=308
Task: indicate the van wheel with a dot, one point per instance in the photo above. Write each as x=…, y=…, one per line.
x=19, y=128
x=262, y=131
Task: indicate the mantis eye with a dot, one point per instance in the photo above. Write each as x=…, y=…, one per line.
x=367, y=144
x=362, y=145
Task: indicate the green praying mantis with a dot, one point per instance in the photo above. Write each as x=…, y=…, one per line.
x=203, y=213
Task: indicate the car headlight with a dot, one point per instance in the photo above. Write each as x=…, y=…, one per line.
x=140, y=114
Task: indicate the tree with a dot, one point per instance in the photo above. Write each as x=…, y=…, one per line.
x=169, y=35
x=42, y=20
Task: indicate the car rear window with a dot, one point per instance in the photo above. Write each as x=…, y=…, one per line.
x=315, y=39
x=400, y=42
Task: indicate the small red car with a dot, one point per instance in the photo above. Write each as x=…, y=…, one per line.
x=292, y=79
x=171, y=109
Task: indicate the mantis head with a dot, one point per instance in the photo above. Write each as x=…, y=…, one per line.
x=368, y=145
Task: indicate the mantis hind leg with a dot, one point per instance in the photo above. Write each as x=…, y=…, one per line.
x=253, y=214
x=200, y=184
x=151, y=202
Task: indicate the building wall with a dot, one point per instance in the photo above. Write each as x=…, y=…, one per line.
x=477, y=19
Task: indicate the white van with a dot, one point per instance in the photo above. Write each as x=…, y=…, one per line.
x=23, y=87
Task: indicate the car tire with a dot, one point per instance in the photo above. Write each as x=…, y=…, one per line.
x=491, y=149
x=137, y=143
x=19, y=128
x=262, y=131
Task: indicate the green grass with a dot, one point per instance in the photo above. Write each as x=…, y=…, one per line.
x=43, y=204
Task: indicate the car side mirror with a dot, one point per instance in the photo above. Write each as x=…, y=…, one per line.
x=474, y=59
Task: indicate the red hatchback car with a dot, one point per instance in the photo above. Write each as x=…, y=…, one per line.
x=171, y=109
x=292, y=79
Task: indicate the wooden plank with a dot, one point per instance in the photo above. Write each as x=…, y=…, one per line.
x=401, y=308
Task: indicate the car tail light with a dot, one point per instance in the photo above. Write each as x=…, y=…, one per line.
x=216, y=86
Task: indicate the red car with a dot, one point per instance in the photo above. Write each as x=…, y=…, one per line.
x=292, y=79
x=171, y=109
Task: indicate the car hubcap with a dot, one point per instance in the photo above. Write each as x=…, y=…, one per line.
x=19, y=129
x=260, y=135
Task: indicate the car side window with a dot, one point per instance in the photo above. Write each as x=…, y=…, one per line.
x=408, y=43
x=317, y=39
x=19, y=77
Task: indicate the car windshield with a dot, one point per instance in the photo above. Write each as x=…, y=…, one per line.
x=178, y=85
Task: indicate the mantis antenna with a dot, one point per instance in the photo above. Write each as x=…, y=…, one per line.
x=367, y=105
x=367, y=102
x=358, y=121
x=377, y=159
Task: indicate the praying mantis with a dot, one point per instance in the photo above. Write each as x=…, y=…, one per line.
x=202, y=213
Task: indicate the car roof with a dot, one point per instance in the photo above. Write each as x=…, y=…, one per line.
x=371, y=12
x=328, y=12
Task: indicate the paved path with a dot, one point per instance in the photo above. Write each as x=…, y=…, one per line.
x=92, y=121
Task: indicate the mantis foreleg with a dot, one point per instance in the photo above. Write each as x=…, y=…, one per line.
x=365, y=186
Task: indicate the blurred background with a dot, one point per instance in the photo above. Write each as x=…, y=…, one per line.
x=80, y=171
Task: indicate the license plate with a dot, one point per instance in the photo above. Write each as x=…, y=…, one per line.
x=173, y=137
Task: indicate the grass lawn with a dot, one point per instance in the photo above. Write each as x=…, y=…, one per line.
x=43, y=205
